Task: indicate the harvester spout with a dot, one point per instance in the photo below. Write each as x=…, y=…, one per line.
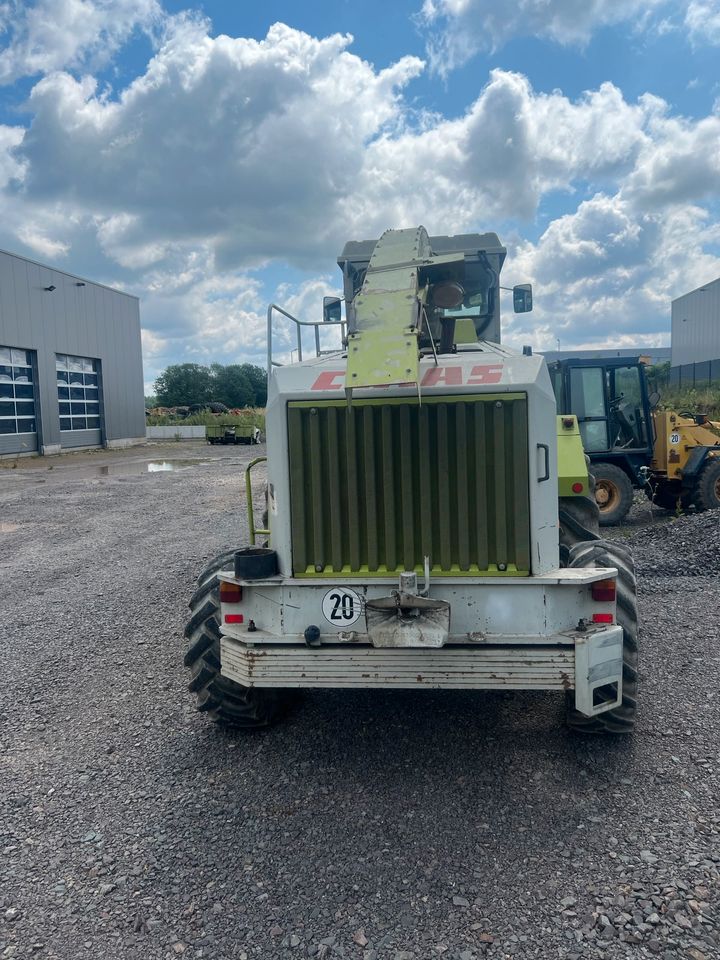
x=389, y=309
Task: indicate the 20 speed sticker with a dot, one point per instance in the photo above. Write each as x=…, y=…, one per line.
x=674, y=438
x=342, y=606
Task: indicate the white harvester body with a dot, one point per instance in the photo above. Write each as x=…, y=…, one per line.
x=449, y=482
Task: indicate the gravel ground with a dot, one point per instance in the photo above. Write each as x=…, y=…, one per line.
x=369, y=825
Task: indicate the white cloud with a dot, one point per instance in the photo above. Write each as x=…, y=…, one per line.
x=155, y=350
x=606, y=273
x=461, y=28
x=282, y=148
x=241, y=141
x=11, y=167
x=52, y=35
x=191, y=314
x=118, y=235
x=228, y=158
x=702, y=20
x=512, y=146
x=223, y=318
x=152, y=344
x=42, y=245
x=678, y=163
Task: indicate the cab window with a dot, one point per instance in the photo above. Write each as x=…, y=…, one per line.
x=587, y=388
x=627, y=421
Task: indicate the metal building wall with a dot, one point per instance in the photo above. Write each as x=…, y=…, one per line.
x=80, y=318
x=696, y=325
x=655, y=354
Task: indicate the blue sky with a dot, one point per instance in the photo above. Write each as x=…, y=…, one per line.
x=211, y=157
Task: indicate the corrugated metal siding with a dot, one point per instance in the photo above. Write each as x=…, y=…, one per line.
x=80, y=438
x=379, y=485
x=18, y=443
x=89, y=320
x=696, y=326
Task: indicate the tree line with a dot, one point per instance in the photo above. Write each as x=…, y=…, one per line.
x=235, y=385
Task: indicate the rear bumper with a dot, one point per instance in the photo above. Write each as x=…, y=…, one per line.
x=578, y=661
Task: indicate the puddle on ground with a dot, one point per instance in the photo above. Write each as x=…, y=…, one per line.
x=60, y=470
x=8, y=527
x=144, y=466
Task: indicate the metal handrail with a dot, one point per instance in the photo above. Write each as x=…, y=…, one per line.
x=317, y=325
x=250, y=509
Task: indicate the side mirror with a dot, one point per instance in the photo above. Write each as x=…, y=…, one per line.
x=332, y=310
x=522, y=298
x=654, y=399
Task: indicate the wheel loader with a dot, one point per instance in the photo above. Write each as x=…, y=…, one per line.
x=430, y=520
x=674, y=457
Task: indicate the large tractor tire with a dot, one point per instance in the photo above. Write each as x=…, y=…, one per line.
x=706, y=491
x=579, y=519
x=227, y=702
x=613, y=493
x=621, y=719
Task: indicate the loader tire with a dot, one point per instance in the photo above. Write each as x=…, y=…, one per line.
x=706, y=492
x=578, y=519
x=613, y=492
x=228, y=703
x=621, y=719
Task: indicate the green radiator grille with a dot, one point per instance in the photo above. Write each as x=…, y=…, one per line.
x=377, y=486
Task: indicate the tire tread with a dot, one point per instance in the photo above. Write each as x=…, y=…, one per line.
x=227, y=702
x=703, y=495
x=621, y=719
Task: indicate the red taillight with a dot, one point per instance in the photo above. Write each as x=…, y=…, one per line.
x=603, y=591
x=577, y=488
x=602, y=618
x=234, y=618
x=230, y=592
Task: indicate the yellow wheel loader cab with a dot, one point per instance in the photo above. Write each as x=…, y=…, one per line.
x=631, y=443
x=431, y=520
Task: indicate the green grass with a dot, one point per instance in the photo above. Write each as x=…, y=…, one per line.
x=704, y=400
x=256, y=417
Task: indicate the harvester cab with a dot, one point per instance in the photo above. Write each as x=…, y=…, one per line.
x=429, y=516
x=410, y=295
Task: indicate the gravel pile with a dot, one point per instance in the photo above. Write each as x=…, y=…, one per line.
x=372, y=825
x=683, y=546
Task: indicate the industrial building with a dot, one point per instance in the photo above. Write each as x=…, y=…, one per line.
x=696, y=336
x=651, y=355
x=70, y=361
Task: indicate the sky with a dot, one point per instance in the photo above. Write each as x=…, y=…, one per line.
x=213, y=157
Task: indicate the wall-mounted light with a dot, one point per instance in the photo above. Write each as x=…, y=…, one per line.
x=50, y=288
x=79, y=283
